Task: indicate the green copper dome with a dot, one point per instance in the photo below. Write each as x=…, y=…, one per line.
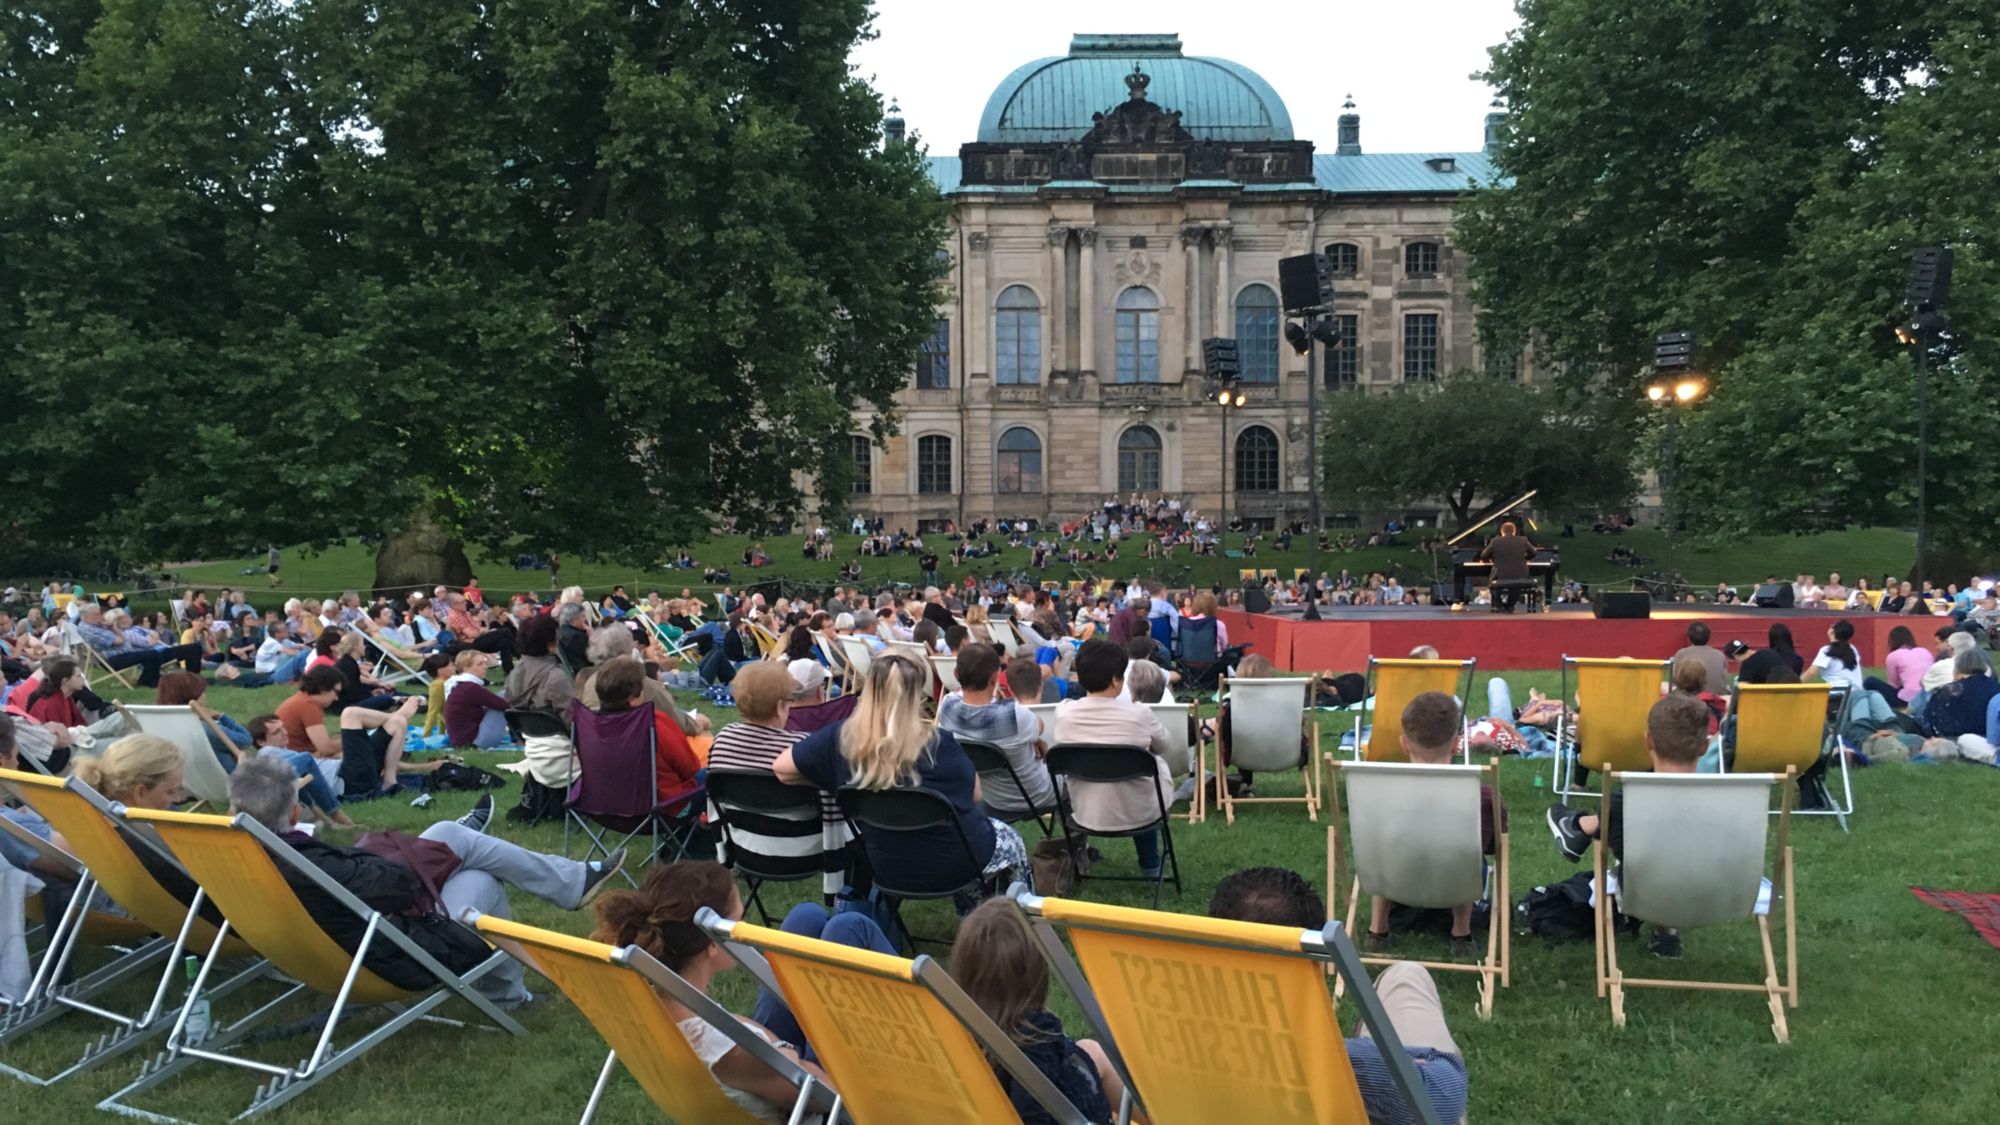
x=1052, y=100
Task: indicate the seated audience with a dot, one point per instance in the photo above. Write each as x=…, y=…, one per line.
x=1959, y=707
x=612, y=643
x=119, y=650
x=976, y=713
x=764, y=700
x=368, y=758
x=1715, y=670
x=538, y=681
x=1906, y=664
x=1103, y=719
x=473, y=715
x=620, y=687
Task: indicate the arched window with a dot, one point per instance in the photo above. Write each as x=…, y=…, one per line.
x=1420, y=259
x=1139, y=460
x=864, y=466
x=1138, y=325
x=1345, y=258
x=1017, y=337
x=1257, y=333
x=1018, y=466
x=934, y=464
x=1257, y=460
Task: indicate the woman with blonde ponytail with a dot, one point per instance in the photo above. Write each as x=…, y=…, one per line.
x=143, y=772
x=888, y=743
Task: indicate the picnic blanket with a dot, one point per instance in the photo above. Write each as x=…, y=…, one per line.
x=1982, y=910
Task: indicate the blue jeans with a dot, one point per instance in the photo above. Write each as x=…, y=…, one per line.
x=810, y=919
x=1148, y=845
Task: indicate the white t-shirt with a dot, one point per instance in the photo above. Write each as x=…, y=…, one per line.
x=1834, y=672
x=710, y=1044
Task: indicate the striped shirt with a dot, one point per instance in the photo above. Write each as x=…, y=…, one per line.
x=747, y=746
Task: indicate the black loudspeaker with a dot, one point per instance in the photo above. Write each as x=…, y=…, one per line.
x=1930, y=279
x=1255, y=600
x=1624, y=607
x=1306, y=282
x=1443, y=594
x=1774, y=596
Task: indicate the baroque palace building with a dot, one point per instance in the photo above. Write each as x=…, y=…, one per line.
x=1121, y=204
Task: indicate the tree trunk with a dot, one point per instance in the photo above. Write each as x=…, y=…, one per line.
x=419, y=558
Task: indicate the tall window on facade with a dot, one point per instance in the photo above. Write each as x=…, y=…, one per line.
x=1257, y=460
x=1345, y=257
x=1017, y=337
x=1257, y=333
x=1138, y=326
x=934, y=464
x=1420, y=259
x=1139, y=460
x=1420, y=347
x=1504, y=363
x=934, y=359
x=1018, y=464
x=1343, y=358
x=864, y=467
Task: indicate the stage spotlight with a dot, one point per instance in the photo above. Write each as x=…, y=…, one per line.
x=1325, y=332
x=1656, y=392
x=1297, y=336
x=1687, y=390
x=1222, y=397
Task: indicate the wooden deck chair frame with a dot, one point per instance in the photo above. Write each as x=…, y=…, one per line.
x=967, y=1040
x=1799, y=738
x=1188, y=717
x=202, y=775
x=91, y=658
x=1778, y=993
x=618, y=991
x=88, y=822
x=1392, y=683
x=1495, y=969
x=859, y=658
x=836, y=663
x=1628, y=729
x=250, y=884
x=944, y=669
x=390, y=668
x=1101, y=933
x=1309, y=768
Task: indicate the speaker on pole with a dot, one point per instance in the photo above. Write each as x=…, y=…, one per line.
x=1255, y=600
x=1305, y=282
x=1930, y=279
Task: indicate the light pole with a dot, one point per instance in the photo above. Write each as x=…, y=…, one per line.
x=1313, y=325
x=1228, y=393
x=1674, y=396
x=1922, y=331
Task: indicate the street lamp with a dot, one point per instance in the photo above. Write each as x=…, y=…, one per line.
x=1222, y=361
x=1674, y=396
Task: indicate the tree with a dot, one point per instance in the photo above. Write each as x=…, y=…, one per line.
x=1763, y=183
x=1472, y=439
x=590, y=275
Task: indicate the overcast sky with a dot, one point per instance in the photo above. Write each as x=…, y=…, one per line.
x=1408, y=66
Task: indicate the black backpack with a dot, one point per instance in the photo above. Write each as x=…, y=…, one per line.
x=453, y=776
x=538, y=803
x=1561, y=912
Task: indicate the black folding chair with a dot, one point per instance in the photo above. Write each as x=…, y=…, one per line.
x=771, y=832
x=880, y=816
x=529, y=722
x=1111, y=765
x=993, y=765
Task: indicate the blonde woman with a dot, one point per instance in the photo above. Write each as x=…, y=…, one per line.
x=977, y=624
x=889, y=743
x=142, y=771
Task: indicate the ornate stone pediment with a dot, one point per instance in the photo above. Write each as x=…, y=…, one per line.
x=1137, y=121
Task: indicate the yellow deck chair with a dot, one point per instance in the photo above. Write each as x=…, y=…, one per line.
x=1378, y=734
x=1791, y=726
x=767, y=641
x=1874, y=598
x=1162, y=990
x=107, y=862
x=1246, y=574
x=1613, y=696
x=237, y=862
x=619, y=992
x=902, y=1042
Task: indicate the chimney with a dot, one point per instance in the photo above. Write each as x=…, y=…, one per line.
x=1496, y=120
x=1350, y=130
x=893, y=125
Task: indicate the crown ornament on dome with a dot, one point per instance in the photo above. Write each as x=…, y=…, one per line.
x=1137, y=81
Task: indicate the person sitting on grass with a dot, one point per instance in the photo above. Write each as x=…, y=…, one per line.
x=279, y=660
x=619, y=685
x=263, y=791
x=473, y=714
x=658, y=917
x=995, y=960
x=1430, y=737
x=268, y=740
x=368, y=758
x=1101, y=718
x=1676, y=737
x=1277, y=896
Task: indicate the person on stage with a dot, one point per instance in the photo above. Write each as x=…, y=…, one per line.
x=1509, y=552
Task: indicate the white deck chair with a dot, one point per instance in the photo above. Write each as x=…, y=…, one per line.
x=1182, y=753
x=1046, y=712
x=1693, y=855
x=860, y=657
x=946, y=668
x=1415, y=833
x=1267, y=717
x=1003, y=634
x=390, y=668
x=202, y=775
x=915, y=652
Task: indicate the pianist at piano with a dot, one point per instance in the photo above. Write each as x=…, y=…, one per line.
x=1510, y=552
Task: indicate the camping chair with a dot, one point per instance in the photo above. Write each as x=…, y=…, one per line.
x=202, y=775
x=105, y=860
x=1266, y=719
x=994, y=766
x=946, y=670
x=1617, y=695
x=1378, y=726
x=246, y=867
x=1289, y=968
x=1694, y=856
x=819, y=716
x=860, y=657
x=771, y=832
x=853, y=1004
x=892, y=811
x=1415, y=833
x=1198, y=655
x=1071, y=763
x=615, y=791
x=391, y=668
x=1791, y=726
x=619, y=991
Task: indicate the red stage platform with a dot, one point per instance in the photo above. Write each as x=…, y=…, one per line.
x=1348, y=635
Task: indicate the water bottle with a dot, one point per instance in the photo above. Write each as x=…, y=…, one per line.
x=196, y=1029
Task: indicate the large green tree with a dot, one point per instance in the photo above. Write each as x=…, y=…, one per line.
x=1473, y=440
x=1758, y=173
x=590, y=275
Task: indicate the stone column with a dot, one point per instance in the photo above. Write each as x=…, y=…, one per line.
x=1225, y=323
x=977, y=330
x=1191, y=307
x=1086, y=313
x=1058, y=299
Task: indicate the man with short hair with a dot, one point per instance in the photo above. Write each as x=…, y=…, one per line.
x=934, y=610
x=976, y=713
x=1510, y=553
x=368, y=755
x=266, y=792
x=1277, y=896
x=278, y=659
x=1715, y=669
x=1101, y=718
x=119, y=652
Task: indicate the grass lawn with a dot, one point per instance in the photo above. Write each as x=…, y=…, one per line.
x=1896, y=997
x=1872, y=551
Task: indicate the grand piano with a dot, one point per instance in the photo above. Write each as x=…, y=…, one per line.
x=1469, y=571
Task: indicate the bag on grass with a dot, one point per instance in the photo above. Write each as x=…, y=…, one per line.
x=538, y=803
x=1561, y=912
x=455, y=777
x=1054, y=862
